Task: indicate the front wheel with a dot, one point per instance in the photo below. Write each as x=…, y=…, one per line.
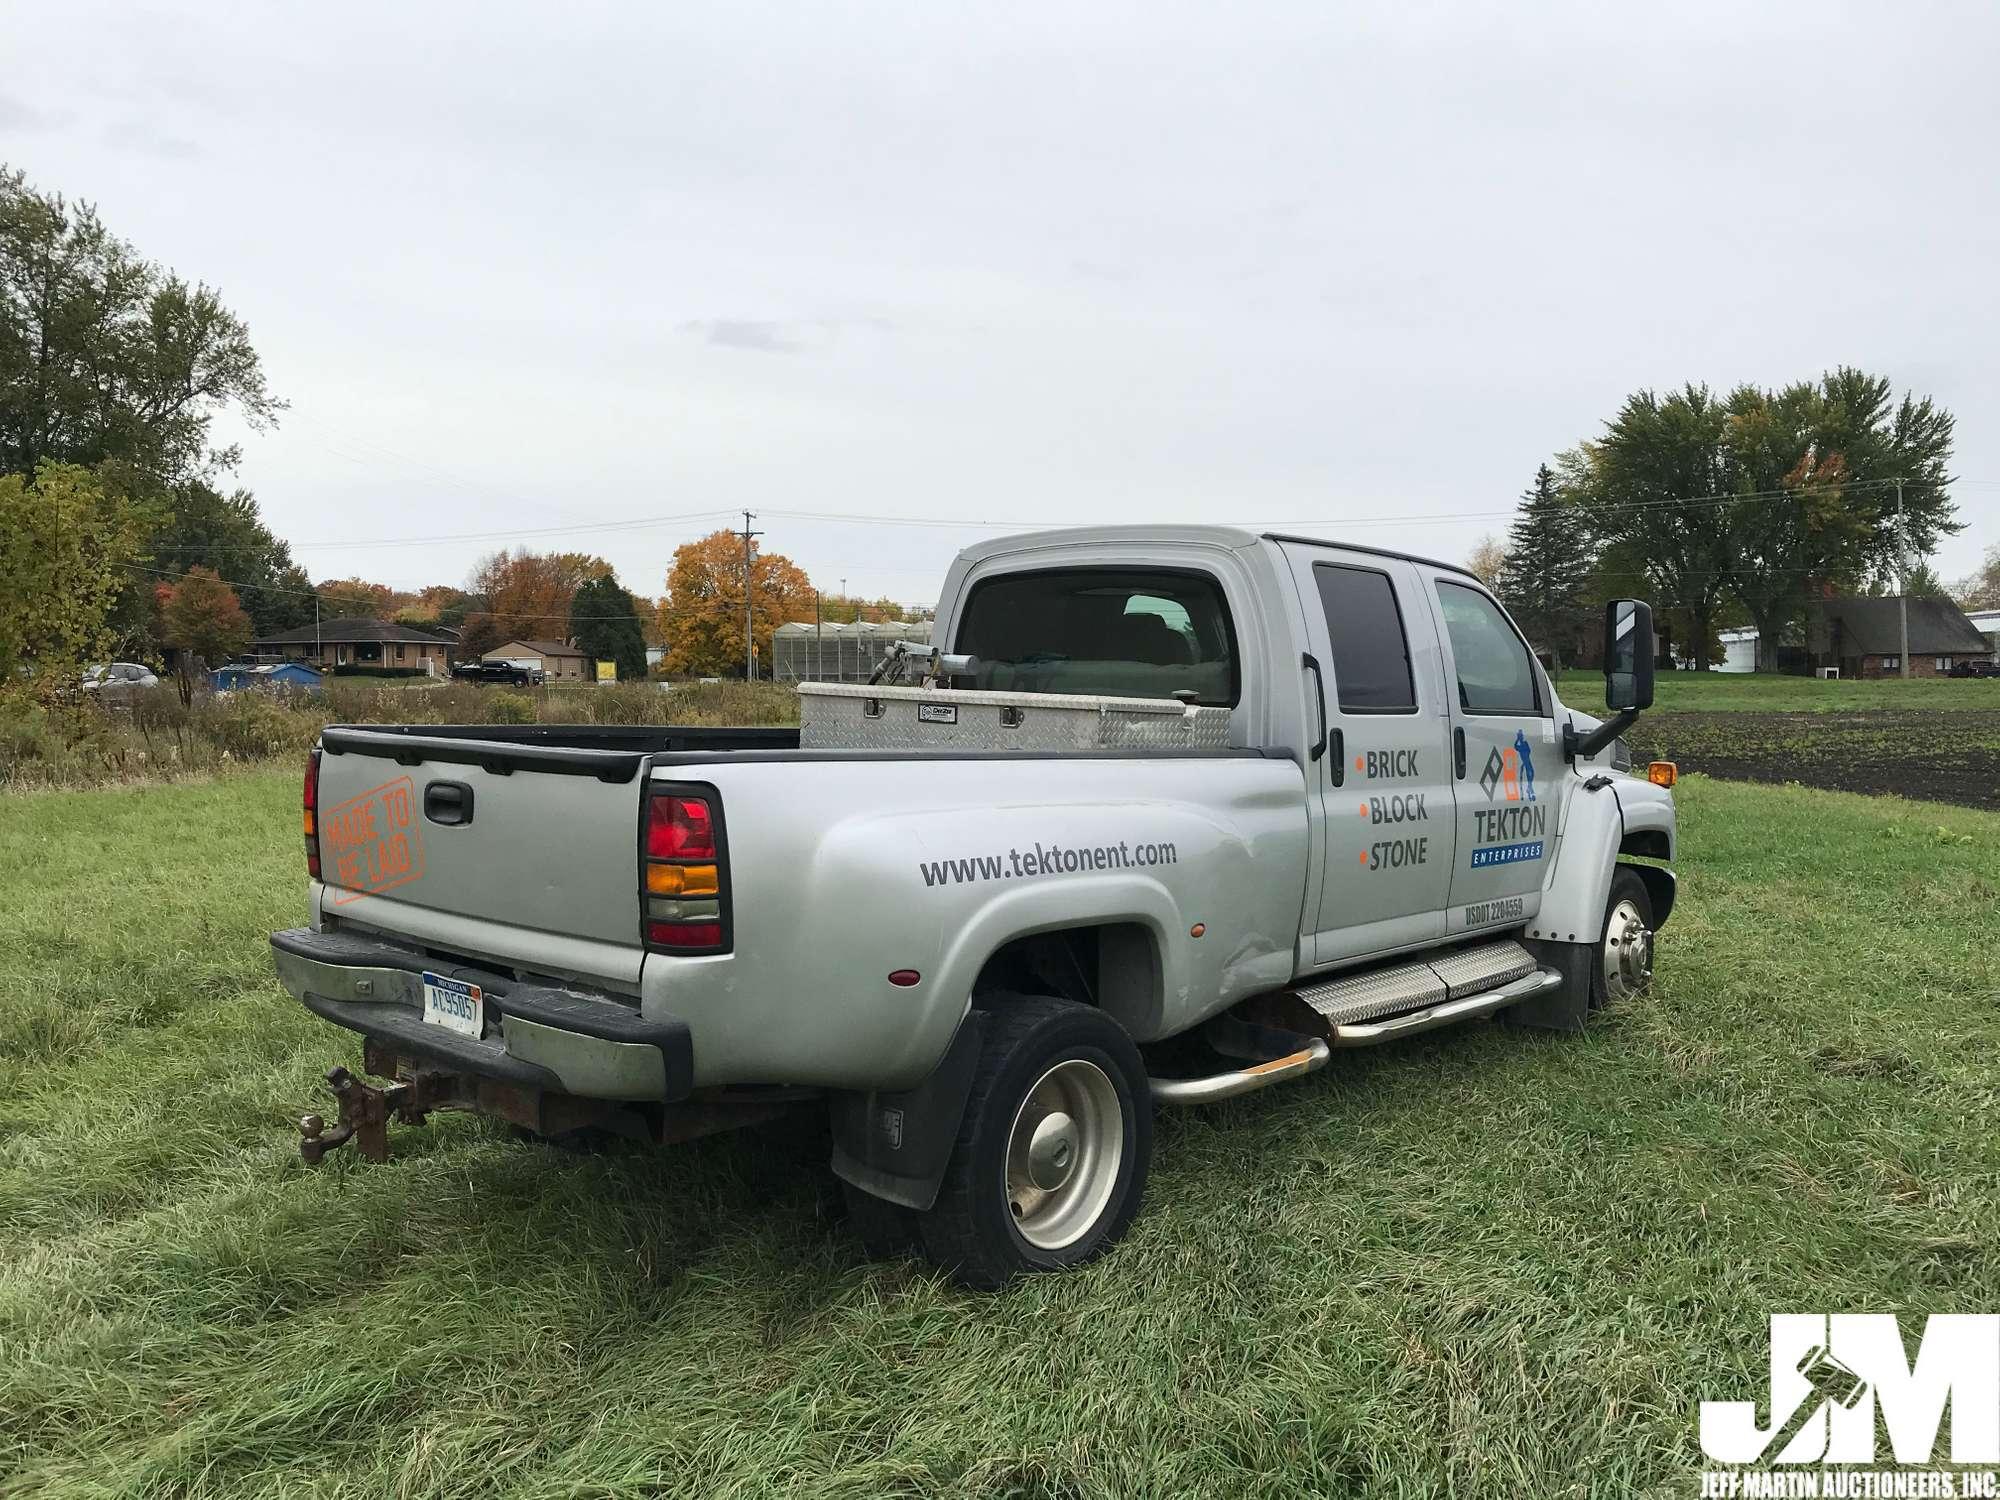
x=1624, y=965
x=1050, y=1162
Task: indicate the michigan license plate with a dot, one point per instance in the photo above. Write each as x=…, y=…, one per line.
x=454, y=1005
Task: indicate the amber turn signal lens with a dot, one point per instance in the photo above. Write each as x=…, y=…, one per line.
x=681, y=880
x=309, y=822
x=1663, y=773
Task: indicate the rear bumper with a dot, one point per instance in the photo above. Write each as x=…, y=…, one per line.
x=536, y=1036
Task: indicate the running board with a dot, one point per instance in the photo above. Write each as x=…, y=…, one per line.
x=1468, y=1008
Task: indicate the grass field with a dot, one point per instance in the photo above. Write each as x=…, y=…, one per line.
x=1486, y=1262
x=1765, y=692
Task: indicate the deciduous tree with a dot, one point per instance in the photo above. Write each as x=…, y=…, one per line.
x=702, y=614
x=355, y=599
x=1487, y=558
x=1981, y=590
x=203, y=621
x=105, y=356
x=66, y=551
x=529, y=593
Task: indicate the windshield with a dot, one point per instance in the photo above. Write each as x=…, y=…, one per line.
x=1123, y=632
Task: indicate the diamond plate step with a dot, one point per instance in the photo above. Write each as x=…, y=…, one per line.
x=1413, y=986
x=1486, y=967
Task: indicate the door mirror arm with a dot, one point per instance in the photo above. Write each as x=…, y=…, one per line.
x=1582, y=746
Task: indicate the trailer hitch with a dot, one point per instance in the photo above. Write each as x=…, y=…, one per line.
x=365, y=1112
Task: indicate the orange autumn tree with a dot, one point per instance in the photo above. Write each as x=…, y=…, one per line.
x=528, y=594
x=355, y=599
x=702, y=613
x=200, y=614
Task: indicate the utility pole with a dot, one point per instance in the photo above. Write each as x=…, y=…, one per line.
x=819, y=635
x=1902, y=587
x=749, y=632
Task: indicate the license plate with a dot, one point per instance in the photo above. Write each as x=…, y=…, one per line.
x=454, y=1005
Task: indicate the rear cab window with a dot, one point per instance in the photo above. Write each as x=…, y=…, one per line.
x=1117, y=632
x=1371, y=652
x=1496, y=675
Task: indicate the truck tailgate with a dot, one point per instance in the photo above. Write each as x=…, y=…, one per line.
x=534, y=836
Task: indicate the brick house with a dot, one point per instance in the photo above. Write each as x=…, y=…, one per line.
x=370, y=645
x=1863, y=637
x=559, y=663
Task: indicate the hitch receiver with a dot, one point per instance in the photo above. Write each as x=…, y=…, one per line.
x=365, y=1112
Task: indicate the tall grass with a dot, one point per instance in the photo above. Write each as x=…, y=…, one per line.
x=154, y=736
x=1480, y=1263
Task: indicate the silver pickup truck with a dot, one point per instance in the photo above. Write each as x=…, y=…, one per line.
x=1178, y=813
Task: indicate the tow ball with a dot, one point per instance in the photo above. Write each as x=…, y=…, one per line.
x=365, y=1112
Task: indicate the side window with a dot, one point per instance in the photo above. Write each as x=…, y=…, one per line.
x=1495, y=673
x=1371, y=652
x=1121, y=632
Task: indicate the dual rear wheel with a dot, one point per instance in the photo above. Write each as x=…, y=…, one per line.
x=1050, y=1161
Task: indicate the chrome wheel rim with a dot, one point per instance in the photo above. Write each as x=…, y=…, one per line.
x=1063, y=1151
x=1628, y=952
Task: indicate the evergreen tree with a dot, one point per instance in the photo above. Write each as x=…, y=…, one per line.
x=1550, y=552
x=605, y=624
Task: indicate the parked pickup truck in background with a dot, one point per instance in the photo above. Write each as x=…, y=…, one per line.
x=515, y=673
x=1179, y=812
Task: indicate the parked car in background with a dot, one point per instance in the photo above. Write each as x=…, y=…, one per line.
x=1976, y=669
x=111, y=681
x=495, y=671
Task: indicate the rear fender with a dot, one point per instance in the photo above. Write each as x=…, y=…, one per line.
x=1087, y=901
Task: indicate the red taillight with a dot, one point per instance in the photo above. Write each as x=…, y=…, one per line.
x=683, y=890
x=684, y=934
x=312, y=813
x=679, y=828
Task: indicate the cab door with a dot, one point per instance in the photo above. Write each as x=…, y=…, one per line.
x=1383, y=788
x=1506, y=759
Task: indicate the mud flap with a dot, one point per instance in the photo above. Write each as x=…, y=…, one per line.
x=895, y=1143
x=1565, y=1008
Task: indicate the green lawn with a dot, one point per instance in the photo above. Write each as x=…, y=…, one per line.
x=1709, y=692
x=1486, y=1262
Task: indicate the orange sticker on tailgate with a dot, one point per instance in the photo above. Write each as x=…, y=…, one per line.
x=372, y=841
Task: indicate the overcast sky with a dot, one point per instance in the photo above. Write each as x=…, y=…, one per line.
x=1357, y=268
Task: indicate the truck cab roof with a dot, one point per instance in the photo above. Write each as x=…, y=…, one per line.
x=1234, y=538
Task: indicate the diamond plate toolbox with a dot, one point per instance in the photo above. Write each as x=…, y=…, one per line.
x=858, y=716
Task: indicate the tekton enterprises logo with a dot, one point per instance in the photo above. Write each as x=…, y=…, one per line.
x=1840, y=1382
x=1510, y=773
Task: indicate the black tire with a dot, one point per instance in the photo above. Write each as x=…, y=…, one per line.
x=887, y=1231
x=1585, y=986
x=1627, y=891
x=972, y=1231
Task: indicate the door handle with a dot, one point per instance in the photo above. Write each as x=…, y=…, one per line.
x=1318, y=747
x=448, y=803
x=1458, y=752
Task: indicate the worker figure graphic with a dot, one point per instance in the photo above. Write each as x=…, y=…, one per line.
x=1527, y=762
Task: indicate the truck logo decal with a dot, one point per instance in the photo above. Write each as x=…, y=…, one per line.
x=1510, y=773
x=1046, y=859
x=1394, y=854
x=1378, y=763
x=1506, y=854
x=1397, y=807
x=373, y=841
x=937, y=713
x=1500, y=825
